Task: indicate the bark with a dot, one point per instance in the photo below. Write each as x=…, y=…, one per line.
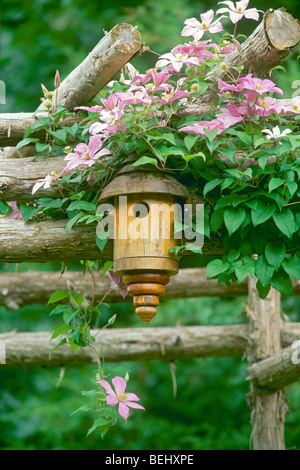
x=135, y=344
x=278, y=371
x=267, y=411
x=47, y=240
x=101, y=65
x=19, y=175
x=269, y=44
x=14, y=125
x=36, y=287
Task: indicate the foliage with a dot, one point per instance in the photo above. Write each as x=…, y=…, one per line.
x=252, y=207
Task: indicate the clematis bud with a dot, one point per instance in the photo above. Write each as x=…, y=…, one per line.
x=57, y=79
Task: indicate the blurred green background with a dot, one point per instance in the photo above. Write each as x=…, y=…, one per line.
x=210, y=410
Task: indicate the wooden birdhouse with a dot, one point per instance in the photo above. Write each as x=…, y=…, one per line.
x=146, y=202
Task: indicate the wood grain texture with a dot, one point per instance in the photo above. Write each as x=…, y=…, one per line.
x=101, y=65
x=36, y=287
x=135, y=344
x=267, y=411
x=47, y=240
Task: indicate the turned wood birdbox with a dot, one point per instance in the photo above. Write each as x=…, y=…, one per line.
x=146, y=203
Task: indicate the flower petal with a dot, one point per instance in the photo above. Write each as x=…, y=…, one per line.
x=134, y=405
x=119, y=384
x=107, y=387
x=123, y=410
x=111, y=400
x=132, y=397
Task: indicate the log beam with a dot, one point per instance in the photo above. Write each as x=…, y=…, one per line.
x=136, y=344
x=47, y=240
x=267, y=411
x=36, y=287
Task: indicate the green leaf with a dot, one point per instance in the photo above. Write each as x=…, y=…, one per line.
x=60, y=331
x=187, y=158
x=275, y=253
x=26, y=141
x=107, y=266
x=59, y=134
x=216, y=267
x=84, y=408
x=285, y=222
x=233, y=218
x=190, y=140
x=73, y=221
x=292, y=266
x=281, y=281
x=101, y=242
x=4, y=208
x=263, y=290
x=275, y=183
x=28, y=210
x=144, y=161
x=241, y=272
x=61, y=341
x=58, y=295
x=263, y=270
x=81, y=205
x=98, y=423
x=211, y=185
x=169, y=137
x=41, y=147
x=263, y=212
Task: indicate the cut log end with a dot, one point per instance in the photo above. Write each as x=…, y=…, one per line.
x=282, y=29
x=126, y=38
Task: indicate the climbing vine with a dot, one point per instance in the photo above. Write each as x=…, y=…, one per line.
x=227, y=137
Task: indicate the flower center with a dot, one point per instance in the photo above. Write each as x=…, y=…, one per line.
x=258, y=86
x=239, y=10
x=122, y=397
x=86, y=156
x=204, y=26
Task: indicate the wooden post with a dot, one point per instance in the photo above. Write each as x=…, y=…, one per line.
x=267, y=409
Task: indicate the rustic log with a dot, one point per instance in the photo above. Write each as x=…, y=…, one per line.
x=36, y=287
x=136, y=344
x=101, y=65
x=47, y=240
x=18, y=176
x=14, y=125
x=276, y=372
x=267, y=411
x=269, y=44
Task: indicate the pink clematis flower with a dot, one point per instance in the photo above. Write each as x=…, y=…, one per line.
x=111, y=102
x=119, y=396
x=226, y=87
x=239, y=10
x=16, y=213
x=201, y=127
x=176, y=61
x=258, y=85
x=197, y=29
x=85, y=154
x=45, y=182
x=93, y=109
x=117, y=283
x=195, y=49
